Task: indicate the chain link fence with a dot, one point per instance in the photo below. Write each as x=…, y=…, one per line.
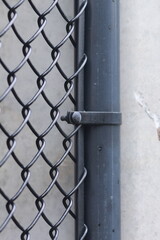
x=37, y=157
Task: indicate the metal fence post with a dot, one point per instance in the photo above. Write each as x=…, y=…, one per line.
x=102, y=145
x=81, y=228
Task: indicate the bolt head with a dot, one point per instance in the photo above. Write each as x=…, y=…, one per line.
x=76, y=118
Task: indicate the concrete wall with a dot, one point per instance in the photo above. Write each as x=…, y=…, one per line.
x=140, y=146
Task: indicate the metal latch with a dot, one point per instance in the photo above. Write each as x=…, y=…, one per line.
x=93, y=118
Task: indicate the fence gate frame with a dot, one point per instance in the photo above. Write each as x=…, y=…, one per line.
x=99, y=140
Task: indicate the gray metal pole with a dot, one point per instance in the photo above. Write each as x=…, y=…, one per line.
x=102, y=144
x=79, y=93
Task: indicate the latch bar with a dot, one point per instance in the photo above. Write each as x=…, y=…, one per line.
x=93, y=118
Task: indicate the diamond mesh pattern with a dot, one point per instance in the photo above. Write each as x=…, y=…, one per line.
x=36, y=89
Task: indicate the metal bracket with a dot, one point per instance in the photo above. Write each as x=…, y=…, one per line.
x=93, y=118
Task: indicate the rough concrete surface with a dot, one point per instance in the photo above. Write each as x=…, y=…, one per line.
x=140, y=146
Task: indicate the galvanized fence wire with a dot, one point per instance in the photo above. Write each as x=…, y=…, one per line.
x=41, y=80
